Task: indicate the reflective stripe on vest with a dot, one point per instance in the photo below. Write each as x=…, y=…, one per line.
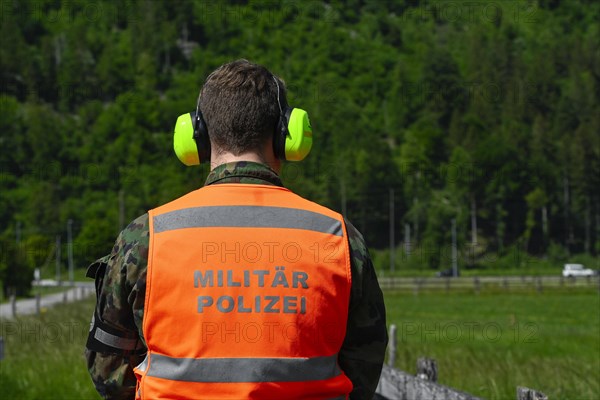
x=236, y=370
x=246, y=217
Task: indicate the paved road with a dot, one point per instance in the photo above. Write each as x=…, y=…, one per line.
x=28, y=306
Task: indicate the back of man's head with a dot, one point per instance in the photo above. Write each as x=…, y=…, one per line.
x=239, y=104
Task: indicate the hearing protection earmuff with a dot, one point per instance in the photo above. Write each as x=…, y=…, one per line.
x=190, y=139
x=292, y=138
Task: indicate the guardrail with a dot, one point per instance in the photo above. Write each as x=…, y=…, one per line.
x=478, y=284
x=67, y=284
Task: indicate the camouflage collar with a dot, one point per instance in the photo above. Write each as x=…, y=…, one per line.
x=243, y=172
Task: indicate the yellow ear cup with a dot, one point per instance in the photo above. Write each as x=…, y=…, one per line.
x=299, y=139
x=184, y=143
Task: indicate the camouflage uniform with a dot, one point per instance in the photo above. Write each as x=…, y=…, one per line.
x=122, y=293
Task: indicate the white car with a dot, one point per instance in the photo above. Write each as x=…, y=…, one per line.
x=576, y=270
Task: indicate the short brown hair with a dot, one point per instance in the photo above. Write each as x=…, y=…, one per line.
x=239, y=104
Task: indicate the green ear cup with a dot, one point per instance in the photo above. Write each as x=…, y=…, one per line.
x=183, y=140
x=299, y=139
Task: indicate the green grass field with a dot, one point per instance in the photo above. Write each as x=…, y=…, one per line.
x=485, y=345
x=44, y=355
x=488, y=345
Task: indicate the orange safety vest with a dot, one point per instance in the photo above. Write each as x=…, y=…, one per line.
x=247, y=295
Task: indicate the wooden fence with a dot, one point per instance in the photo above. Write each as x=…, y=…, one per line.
x=496, y=283
x=395, y=384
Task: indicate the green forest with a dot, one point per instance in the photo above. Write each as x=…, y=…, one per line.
x=486, y=113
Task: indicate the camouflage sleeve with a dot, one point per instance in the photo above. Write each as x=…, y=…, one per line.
x=120, y=304
x=363, y=351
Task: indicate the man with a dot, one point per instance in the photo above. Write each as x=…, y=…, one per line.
x=240, y=289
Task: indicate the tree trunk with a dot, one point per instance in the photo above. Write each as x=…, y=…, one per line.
x=588, y=224
x=500, y=220
x=392, y=232
x=343, y=193
x=597, y=218
x=473, y=220
x=545, y=229
x=566, y=211
x=121, y=209
x=407, y=244
x=416, y=221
